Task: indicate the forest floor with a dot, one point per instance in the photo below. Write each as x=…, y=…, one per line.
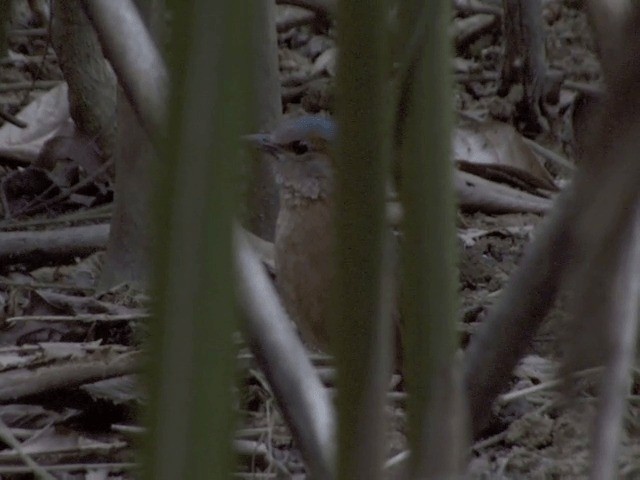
x=54, y=323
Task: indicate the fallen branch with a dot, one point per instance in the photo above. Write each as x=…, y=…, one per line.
x=52, y=245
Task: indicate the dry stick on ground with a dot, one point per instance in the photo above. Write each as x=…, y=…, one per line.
x=602, y=198
x=74, y=303
x=40, y=85
x=82, y=318
x=8, y=437
x=7, y=117
x=322, y=7
x=41, y=202
x=474, y=7
x=290, y=22
x=19, y=383
x=477, y=193
x=60, y=244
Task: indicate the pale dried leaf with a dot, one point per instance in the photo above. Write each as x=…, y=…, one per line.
x=117, y=390
x=499, y=145
x=66, y=350
x=53, y=440
x=326, y=62
x=33, y=416
x=46, y=116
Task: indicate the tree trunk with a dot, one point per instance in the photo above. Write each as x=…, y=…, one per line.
x=128, y=250
x=92, y=83
x=262, y=193
x=524, y=61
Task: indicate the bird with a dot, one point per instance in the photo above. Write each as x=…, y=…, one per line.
x=305, y=233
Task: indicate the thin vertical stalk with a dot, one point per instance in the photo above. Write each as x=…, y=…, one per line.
x=262, y=192
x=5, y=19
x=361, y=334
x=429, y=306
x=193, y=354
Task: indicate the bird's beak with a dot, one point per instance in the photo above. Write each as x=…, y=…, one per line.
x=263, y=142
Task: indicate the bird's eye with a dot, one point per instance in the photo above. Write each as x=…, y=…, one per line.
x=299, y=147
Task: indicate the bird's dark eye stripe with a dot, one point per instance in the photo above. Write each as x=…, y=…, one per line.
x=299, y=147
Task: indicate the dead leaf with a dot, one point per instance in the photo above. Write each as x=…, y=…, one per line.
x=497, y=146
x=326, y=62
x=47, y=116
